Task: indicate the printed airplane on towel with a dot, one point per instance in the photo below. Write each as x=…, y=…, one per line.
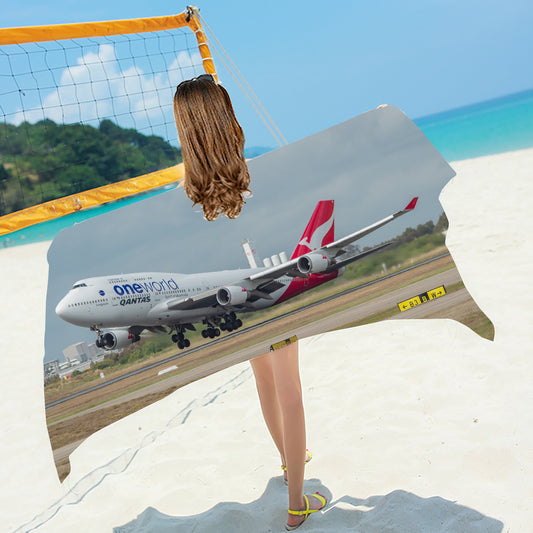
x=120, y=307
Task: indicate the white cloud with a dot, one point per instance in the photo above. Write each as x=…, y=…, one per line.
x=101, y=85
x=183, y=67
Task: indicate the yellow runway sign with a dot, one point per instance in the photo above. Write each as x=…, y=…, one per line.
x=284, y=343
x=422, y=298
x=435, y=293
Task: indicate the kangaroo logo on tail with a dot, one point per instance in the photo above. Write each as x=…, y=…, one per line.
x=320, y=229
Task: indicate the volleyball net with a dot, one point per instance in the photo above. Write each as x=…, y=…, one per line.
x=86, y=112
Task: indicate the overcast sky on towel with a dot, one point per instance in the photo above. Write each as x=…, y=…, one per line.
x=315, y=64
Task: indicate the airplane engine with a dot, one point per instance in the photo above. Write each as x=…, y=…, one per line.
x=310, y=263
x=233, y=295
x=113, y=340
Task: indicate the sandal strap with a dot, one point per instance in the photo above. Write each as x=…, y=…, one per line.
x=299, y=513
x=308, y=511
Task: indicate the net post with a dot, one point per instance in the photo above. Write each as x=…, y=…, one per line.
x=193, y=21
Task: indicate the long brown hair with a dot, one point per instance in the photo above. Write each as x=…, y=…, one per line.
x=212, y=143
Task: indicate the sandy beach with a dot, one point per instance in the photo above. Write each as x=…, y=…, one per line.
x=414, y=425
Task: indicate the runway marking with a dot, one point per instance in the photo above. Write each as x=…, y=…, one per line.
x=169, y=369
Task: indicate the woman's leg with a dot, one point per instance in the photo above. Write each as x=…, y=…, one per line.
x=289, y=393
x=268, y=397
x=278, y=383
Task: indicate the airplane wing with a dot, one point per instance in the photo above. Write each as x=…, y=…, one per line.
x=285, y=269
x=202, y=299
x=156, y=329
x=208, y=298
x=333, y=249
x=338, y=245
x=339, y=264
x=138, y=329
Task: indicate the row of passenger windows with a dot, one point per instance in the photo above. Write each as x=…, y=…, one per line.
x=87, y=303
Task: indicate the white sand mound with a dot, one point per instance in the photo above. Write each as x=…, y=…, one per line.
x=415, y=426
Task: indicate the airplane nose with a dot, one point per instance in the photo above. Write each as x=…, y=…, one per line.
x=62, y=309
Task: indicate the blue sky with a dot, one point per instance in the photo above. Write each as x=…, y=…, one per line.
x=315, y=64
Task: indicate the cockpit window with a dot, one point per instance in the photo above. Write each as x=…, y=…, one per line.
x=79, y=285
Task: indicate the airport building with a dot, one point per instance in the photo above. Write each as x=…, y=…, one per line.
x=78, y=356
x=51, y=368
x=81, y=351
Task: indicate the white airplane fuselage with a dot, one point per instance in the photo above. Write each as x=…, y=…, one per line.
x=140, y=298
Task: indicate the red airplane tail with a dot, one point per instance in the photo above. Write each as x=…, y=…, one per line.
x=320, y=229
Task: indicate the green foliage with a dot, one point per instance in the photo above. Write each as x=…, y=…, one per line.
x=138, y=351
x=43, y=161
x=105, y=363
x=78, y=178
x=411, y=234
x=4, y=176
x=144, y=350
x=442, y=224
x=410, y=243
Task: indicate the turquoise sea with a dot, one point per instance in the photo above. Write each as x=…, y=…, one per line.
x=46, y=231
x=500, y=125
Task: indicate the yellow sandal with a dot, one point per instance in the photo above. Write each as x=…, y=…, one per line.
x=308, y=457
x=307, y=511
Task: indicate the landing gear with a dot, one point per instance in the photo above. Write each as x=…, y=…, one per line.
x=210, y=332
x=212, y=328
x=231, y=322
x=98, y=342
x=214, y=325
x=185, y=343
x=179, y=338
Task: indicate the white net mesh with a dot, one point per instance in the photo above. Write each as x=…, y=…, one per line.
x=81, y=113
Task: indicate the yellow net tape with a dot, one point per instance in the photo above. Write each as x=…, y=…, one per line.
x=114, y=191
x=33, y=34
x=91, y=198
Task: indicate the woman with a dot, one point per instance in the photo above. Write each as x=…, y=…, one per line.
x=217, y=178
